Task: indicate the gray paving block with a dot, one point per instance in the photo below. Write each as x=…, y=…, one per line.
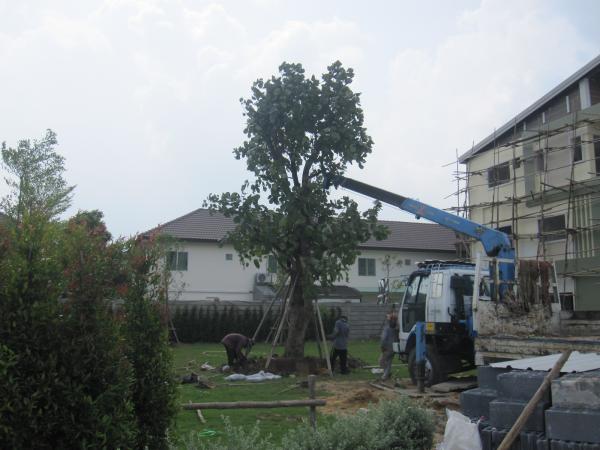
x=475, y=403
x=486, y=438
x=487, y=376
x=504, y=413
x=571, y=445
x=577, y=390
x=573, y=424
x=521, y=384
x=543, y=443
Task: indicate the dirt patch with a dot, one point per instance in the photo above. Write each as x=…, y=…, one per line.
x=347, y=397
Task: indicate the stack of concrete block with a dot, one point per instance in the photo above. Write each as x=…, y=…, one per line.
x=475, y=402
x=492, y=437
x=575, y=412
x=515, y=389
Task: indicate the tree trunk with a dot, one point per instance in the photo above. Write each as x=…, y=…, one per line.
x=299, y=317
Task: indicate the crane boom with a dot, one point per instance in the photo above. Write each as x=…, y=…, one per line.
x=494, y=242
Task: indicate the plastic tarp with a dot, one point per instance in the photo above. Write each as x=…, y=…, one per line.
x=460, y=433
x=257, y=377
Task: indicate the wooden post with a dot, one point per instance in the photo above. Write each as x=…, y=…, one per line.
x=325, y=348
x=312, y=392
x=520, y=422
x=282, y=322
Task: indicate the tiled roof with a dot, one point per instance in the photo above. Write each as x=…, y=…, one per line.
x=200, y=225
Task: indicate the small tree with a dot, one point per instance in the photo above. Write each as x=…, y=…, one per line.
x=300, y=130
x=146, y=333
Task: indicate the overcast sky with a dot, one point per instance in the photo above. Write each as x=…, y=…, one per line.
x=144, y=95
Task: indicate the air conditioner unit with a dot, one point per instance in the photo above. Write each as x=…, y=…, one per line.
x=264, y=278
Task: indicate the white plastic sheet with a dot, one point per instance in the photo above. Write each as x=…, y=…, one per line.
x=257, y=377
x=460, y=433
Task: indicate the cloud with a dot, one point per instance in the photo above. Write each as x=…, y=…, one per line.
x=501, y=58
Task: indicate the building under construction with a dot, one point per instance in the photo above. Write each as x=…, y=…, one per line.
x=537, y=178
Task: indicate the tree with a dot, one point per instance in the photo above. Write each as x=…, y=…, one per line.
x=300, y=130
x=37, y=184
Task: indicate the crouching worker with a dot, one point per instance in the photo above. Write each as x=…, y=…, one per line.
x=388, y=337
x=234, y=345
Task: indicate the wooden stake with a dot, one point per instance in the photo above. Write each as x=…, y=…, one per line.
x=282, y=322
x=312, y=389
x=528, y=410
x=200, y=416
x=251, y=405
x=325, y=348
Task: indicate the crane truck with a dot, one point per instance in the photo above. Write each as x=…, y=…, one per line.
x=454, y=314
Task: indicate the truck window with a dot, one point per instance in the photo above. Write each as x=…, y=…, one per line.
x=413, y=307
x=437, y=285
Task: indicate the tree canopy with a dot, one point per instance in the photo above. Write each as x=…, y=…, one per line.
x=299, y=131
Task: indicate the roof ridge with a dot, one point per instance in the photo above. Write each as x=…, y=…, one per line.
x=159, y=226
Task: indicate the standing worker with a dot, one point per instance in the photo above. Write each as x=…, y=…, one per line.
x=388, y=336
x=234, y=343
x=340, y=344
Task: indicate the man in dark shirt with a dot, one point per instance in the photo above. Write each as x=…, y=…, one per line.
x=234, y=343
x=339, y=336
x=388, y=337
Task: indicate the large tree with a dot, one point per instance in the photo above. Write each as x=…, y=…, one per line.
x=299, y=131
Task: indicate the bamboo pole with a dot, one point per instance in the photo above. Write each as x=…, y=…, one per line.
x=325, y=348
x=248, y=404
x=528, y=410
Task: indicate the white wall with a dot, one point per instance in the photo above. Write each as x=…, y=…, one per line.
x=211, y=275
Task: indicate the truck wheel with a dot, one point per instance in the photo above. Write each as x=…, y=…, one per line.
x=433, y=367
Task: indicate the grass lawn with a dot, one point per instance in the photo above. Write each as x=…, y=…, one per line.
x=274, y=421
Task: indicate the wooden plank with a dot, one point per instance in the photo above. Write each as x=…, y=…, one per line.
x=252, y=405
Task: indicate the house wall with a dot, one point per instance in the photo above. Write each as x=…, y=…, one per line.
x=211, y=275
x=540, y=171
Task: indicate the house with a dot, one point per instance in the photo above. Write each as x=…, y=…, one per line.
x=537, y=178
x=204, y=266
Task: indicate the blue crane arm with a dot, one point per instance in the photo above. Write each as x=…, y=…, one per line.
x=495, y=243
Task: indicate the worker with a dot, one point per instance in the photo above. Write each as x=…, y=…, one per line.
x=234, y=344
x=388, y=336
x=339, y=336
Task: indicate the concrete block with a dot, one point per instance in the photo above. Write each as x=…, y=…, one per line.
x=487, y=376
x=543, y=443
x=486, y=438
x=577, y=390
x=573, y=425
x=572, y=445
x=475, y=403
x=521, y=384
x=504, y=413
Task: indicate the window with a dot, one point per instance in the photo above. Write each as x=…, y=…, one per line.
x=228, y=256
x=177, y=260
x=437, y=285
x=366, y=267
x=552, y=228
x=272, y=264
x=499, y=174
x=407, y=262
x=577, y=151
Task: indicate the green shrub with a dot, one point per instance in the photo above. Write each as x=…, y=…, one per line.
x=146, y=335
x=397, y=425
x=233, y=438
x=388, y=425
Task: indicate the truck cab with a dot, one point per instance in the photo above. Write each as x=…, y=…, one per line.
x=439, y=294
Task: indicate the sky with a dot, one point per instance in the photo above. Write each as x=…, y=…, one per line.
x=144, y=95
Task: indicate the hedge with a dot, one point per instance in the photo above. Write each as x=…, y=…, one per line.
x=210, y=323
